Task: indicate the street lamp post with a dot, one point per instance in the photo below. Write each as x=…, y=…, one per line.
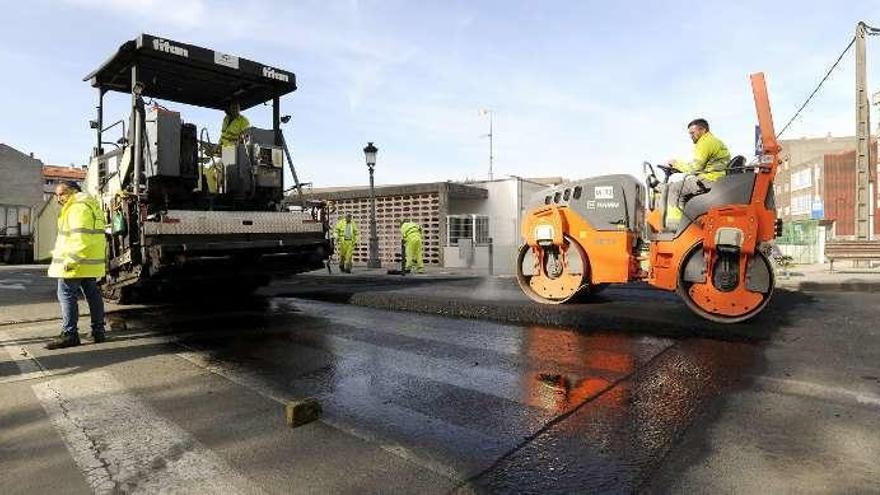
x=370, y=155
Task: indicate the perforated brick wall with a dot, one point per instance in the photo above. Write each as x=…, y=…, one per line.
x=390, y=211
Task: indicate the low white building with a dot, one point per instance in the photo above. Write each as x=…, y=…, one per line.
x=472, y=223
x=458, y=219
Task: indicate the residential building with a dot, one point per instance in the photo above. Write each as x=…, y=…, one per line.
x=839, y=192
x=19, y=178
x=798, y=183
x=20, y=193
x=53, y=174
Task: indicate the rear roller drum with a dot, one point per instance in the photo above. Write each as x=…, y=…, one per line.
x=718, y=301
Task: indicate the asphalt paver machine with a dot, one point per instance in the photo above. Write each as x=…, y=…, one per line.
x=586, y=234
x=167, y=226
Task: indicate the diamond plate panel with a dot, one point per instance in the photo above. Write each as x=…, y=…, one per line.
x=180, y=222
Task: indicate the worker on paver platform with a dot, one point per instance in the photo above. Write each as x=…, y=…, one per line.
x=411, y=233
x=346, y=234
x=234, y=124
x=710, y=162
x=78, y=262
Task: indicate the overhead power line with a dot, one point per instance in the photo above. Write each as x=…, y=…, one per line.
x=827, y=74
x=870, y=31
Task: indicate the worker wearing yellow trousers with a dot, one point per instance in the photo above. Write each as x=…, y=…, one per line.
x=411, y=233
x=346, y=235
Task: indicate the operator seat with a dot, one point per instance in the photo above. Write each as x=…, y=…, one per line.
x=734, y=166
x=734, y=188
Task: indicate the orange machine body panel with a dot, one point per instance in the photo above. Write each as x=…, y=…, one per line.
x=610, y=253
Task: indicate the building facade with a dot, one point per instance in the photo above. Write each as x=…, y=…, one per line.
x=426, y=204
x=459, y=220
x=53, y=174
x=839, y=192
x=20, y=178
x=815, y=194
x=494, y=220
x=798, y=183
x=20, y=194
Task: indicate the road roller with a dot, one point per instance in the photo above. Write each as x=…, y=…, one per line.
x=583, y=235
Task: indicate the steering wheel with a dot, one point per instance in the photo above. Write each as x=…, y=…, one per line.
x=668, y=170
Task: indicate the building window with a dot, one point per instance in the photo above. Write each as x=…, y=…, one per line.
x=801, y=204
x=801, y=179
x=473, y=227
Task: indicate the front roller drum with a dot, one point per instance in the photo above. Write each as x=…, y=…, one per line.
x=733, y=305
x=553, y=274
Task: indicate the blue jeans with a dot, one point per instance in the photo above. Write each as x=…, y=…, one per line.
x=69, y=290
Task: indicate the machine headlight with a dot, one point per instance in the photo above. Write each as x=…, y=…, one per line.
x=544, y=233
x=729, y=236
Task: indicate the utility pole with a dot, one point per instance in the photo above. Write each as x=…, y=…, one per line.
x=863, y=137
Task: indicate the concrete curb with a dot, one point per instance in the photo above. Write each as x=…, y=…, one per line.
x=856, y=285
x=82, y=315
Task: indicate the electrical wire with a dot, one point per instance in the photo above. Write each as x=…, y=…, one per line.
x=869, y=31
x=827, y=75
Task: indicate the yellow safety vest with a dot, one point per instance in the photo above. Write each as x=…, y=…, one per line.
x=80, y=246
x=232, y=129
x=410, y=231
x=710, y=159
x=339, y=230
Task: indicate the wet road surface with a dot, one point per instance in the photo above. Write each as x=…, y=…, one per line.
x=412, y=403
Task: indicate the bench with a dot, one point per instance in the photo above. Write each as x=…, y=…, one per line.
x=851, y=250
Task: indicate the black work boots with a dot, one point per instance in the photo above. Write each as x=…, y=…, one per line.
x=63, y=341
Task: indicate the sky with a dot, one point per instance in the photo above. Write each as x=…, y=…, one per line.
x=576, y=88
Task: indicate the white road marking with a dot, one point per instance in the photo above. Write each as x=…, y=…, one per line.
x=12, y=287
x=26, y=363
x=122, y=445
x=56, y=393
x=834, y=394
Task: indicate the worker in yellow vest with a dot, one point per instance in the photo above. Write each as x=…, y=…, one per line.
x=234, y=125
x=411, y=233
x=78, y=261
x=710, y=162
x=346, y=234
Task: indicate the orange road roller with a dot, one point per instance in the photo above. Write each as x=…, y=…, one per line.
x=586, y=234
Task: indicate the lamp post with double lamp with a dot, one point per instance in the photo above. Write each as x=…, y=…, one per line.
x=370, y=155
